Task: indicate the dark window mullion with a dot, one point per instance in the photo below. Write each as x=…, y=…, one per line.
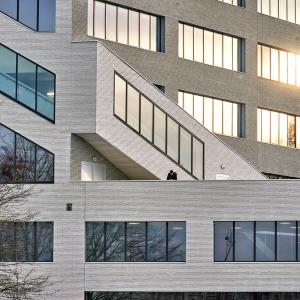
x=105, y=241
x=276, y=241
x=233, y=241
x=125, y=241
x=167, y=241
x=146, y=241
x=37, y=15
x=35, y=239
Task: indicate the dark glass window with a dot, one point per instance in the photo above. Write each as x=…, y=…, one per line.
x=257, y=241
x=35, y=86
x=8, y=71
x=25, y=160
x=28, y=13
x=115, y=241
x=26, y=242
x=22, y=161
x=143, y=241
x=286, y=241
x=26, y=82
x=265, y=241
x=45, y=93
x=7, y=154
x=136, y=241
x=223, y=241
x=244, y=241
x=94, y=241
x=157, y=241
x=38, y=15
x=47, y=15
x=159, y=129
x=176, y=241
x=9, y=7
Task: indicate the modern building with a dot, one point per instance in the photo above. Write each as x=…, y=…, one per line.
x=100, y=99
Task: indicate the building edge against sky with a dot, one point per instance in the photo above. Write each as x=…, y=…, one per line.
x=82, y=118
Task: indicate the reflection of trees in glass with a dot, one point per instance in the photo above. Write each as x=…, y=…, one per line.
x=191, y=296
x=136, y=241
x=176, y=241
x=26, y=241
x=105, y=241
x=22, y=160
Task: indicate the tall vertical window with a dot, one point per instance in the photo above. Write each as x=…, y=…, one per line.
x=261, y=241
x=287, y=10
x=27, y=83
x=125, y=26
x=219, y=116
x=278, y=128
x=38, y=15
x=234, y=2
x=26, y=242
x=277, y=64
x=158, y=128
x=135, y=241
x=22, y=161
x=209, y=47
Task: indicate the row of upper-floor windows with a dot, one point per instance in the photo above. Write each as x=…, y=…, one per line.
x=209, y=47
x=135, y=241
x=99, y=295
x=278, y=128
x=22, y=161
x=287, y=10
x=256, y=241
x=279, y=65
x=125, y=26
x=26, y=242
x=38, y=15
x=27, y=83
x=219, y=116
x=158, y=128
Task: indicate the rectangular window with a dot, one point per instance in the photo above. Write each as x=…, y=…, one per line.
x=265, y=241
x=223, y=241
x=172, y=138
x=125, y=25
x=133, y=104
x=146, y=118
x=278, y=65
x=28, y=13
x=176, y=241
x=185, y=149
x=209, y=47
x=219, y=116
x=143, y=241
x=255, y=241
x=26, y=242
x=160, y=130
x=286, y=241
x=136, y=241
x=277, y=128
x=244, y=241
x=122, y=25
x=47, y=10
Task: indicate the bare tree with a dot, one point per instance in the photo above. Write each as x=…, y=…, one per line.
x=18, y=281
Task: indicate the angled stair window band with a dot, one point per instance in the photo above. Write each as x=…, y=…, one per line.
x=158, y=128
x=27, y=83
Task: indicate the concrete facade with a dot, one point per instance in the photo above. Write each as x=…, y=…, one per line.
x=86, y=130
